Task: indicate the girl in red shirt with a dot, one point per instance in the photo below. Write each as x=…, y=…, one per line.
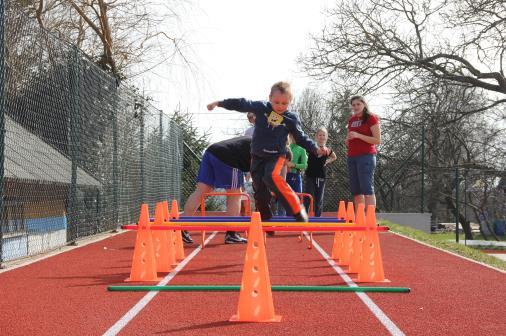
x=364, y=134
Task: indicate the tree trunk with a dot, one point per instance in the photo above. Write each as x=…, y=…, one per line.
x=462, y=220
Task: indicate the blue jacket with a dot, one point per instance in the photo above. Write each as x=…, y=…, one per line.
x=271, y=129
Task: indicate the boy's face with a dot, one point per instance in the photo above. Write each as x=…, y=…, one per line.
x=251, y=117
x=279, y=102
x=321, y=137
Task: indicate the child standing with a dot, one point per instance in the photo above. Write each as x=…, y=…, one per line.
x=268, y=147
x=251, y=119
x=316, y=172
x=296, y=165
x=364, y=133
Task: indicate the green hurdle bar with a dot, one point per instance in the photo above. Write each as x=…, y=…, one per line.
x=235, y=288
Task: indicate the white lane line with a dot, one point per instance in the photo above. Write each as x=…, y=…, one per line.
x=135, y=310
x=380, y=315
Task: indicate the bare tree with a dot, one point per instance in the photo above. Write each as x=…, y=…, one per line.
x=372, y=42
x=311, y=106
x=331, y=110
x=123, y=37
x=453, y=138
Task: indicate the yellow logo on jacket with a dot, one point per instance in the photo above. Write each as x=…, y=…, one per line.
x=275, y=119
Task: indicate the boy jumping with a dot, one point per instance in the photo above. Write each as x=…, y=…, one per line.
x=268, y=147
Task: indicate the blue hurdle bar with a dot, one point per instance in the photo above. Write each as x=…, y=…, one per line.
x=213, y=219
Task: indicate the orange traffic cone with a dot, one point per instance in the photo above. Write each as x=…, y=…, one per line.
x=350, y=213
x=170, y=234
x=338, y=237
x=337, y=245
x=174, y=210
x=358, y=238
x=371, y=267
x=346, y=249
x=161, y=243
x=178, y=245
x=143, y=261
x=347, y=237
x=341, y=212
x=166, y=211
x=178, y=240
x=255, y=298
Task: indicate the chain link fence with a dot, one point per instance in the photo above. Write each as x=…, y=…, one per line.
x=474, y=201
x=399, y=179
x=80, y=151
x=472, y=195
x=399, y=186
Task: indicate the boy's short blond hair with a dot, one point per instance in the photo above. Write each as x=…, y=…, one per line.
x=283, y=88
x=322, y=129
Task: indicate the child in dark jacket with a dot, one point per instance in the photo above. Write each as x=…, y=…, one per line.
x=268, y=147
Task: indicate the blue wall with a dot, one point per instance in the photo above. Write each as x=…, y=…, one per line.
x=16, y=246
x=40, y=225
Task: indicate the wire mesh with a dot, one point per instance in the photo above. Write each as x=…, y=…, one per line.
x=81, y=151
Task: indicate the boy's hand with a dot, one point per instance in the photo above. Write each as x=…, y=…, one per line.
x=323, y=151
x=211, y=106
x=290, y=164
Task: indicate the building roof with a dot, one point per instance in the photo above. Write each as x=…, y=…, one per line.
x=29, y=157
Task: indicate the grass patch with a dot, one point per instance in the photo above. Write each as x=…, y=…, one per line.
x=451, y=236
x=442, y=241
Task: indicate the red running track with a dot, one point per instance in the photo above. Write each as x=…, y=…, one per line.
x=67, y=294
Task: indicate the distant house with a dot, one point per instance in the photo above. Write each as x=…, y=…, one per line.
x=36, y=188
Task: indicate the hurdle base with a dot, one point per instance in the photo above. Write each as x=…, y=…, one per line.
x=277, y=318
x=356, y=280
x=156, y=280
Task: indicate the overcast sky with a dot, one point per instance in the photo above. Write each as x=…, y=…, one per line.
x=240, y=49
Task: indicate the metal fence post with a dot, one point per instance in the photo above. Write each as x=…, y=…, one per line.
x=457, y=204
x=3, y=101
x=72, y=231
x=161, y=168
x=98, y=206
x=465, y=205
x=115, y=168
x=171, y=160
x=422, y=192
x=141, y=153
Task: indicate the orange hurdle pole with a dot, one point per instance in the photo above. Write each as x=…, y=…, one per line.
x=311, y=214
x=203, y=205
x=178, y=240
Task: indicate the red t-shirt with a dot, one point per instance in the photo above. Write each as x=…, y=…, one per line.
x=357, y=147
